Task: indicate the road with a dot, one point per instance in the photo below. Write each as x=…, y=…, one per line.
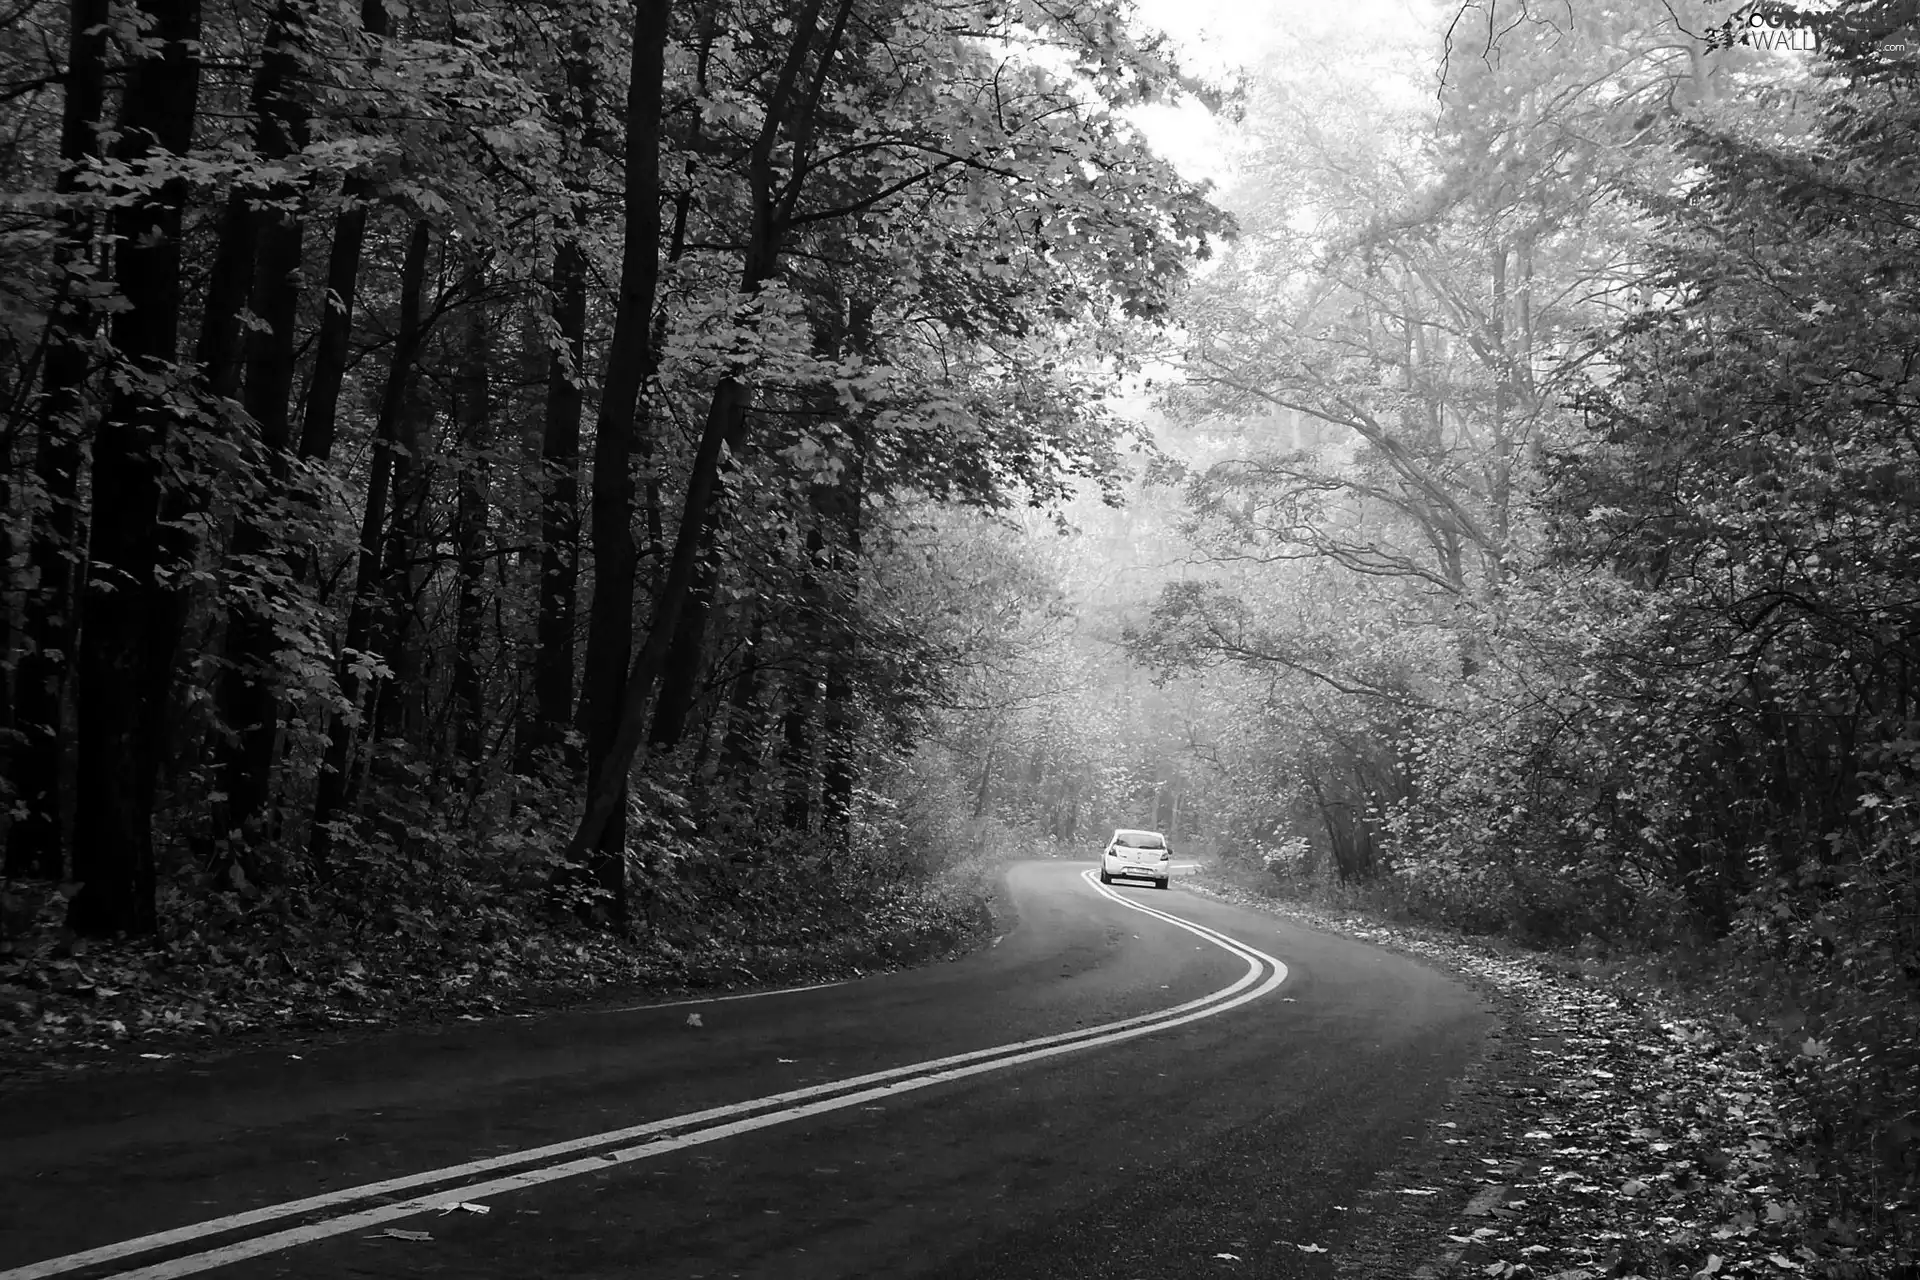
x=1104, y=1092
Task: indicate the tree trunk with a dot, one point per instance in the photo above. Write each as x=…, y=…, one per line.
x=470, y=538
x=400, y=702
x=726, y=416
x=798, y=768
x=248, y=703
x=740, y=746
x=320, y=409
x=34, y=840
x=840, y=770
x=332, y=794
x=631, y=358
x=680, y=677
x=560, y=507
x=557, y=592
x=796, y=754
x=125, y=656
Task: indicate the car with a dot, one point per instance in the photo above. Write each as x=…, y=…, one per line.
x=1141, y=855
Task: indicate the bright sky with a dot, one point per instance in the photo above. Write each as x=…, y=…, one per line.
x=1220, y=39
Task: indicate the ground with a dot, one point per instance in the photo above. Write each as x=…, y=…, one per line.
x=1603, y=1133
x=1610, y=1134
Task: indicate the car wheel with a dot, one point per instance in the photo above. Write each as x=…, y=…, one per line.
x=1104, y=877
x=1161, y=882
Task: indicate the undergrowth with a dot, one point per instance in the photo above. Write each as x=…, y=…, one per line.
x=1766, y=1097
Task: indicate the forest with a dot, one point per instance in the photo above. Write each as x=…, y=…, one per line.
x=484, y=453
x=735, y=469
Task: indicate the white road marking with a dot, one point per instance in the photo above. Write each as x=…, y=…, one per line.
x=744, y=995
x=697, y=1129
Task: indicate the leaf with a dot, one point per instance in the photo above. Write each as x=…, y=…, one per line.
x=1310, y=1248
x=693, y=1020
x=401, y=1233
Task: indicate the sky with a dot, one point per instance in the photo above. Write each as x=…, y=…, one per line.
x=1222, y=39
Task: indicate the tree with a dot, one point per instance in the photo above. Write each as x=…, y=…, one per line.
x=128, y=627
x=324, y=340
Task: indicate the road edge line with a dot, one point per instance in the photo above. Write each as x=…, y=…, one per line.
x=448, y=1179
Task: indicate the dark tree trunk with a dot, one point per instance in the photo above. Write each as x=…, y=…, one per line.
x=796, y=755
x=630, y=362
x=557, y=593
x=680, y=677
x=740, y=747
x=125, y=655
x=470, y=538
x=560, y=507
x=400, y=703
x=799, y=770
x=788, y=106
x=319, y=416
x=332, y=795
x=229, y=281
x=840, y=768
x=34, y=845
x=687, y=653
x=248, y=702
x=320, y=410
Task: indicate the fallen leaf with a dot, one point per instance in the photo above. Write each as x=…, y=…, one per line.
x=1230, y=1257
x=401, y=1233
x=1310, y=1248
x=693, y=1020
x=465, y=1206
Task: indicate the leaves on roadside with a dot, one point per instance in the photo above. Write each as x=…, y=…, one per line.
x=1653, y=1144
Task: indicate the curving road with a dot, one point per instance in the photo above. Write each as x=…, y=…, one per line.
x=1128, y=1084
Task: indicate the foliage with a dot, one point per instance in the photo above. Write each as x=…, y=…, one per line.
x=314, y=614
x=1641, y=1130
x=1546, y=457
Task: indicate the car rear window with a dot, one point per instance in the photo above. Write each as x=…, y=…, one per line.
x=1139, y=840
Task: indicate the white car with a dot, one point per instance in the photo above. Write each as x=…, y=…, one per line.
x=1134, y=854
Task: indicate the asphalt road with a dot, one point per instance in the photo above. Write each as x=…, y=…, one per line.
x=1104, y=1092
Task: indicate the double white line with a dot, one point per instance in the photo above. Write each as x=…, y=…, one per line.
x=349, y=1209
